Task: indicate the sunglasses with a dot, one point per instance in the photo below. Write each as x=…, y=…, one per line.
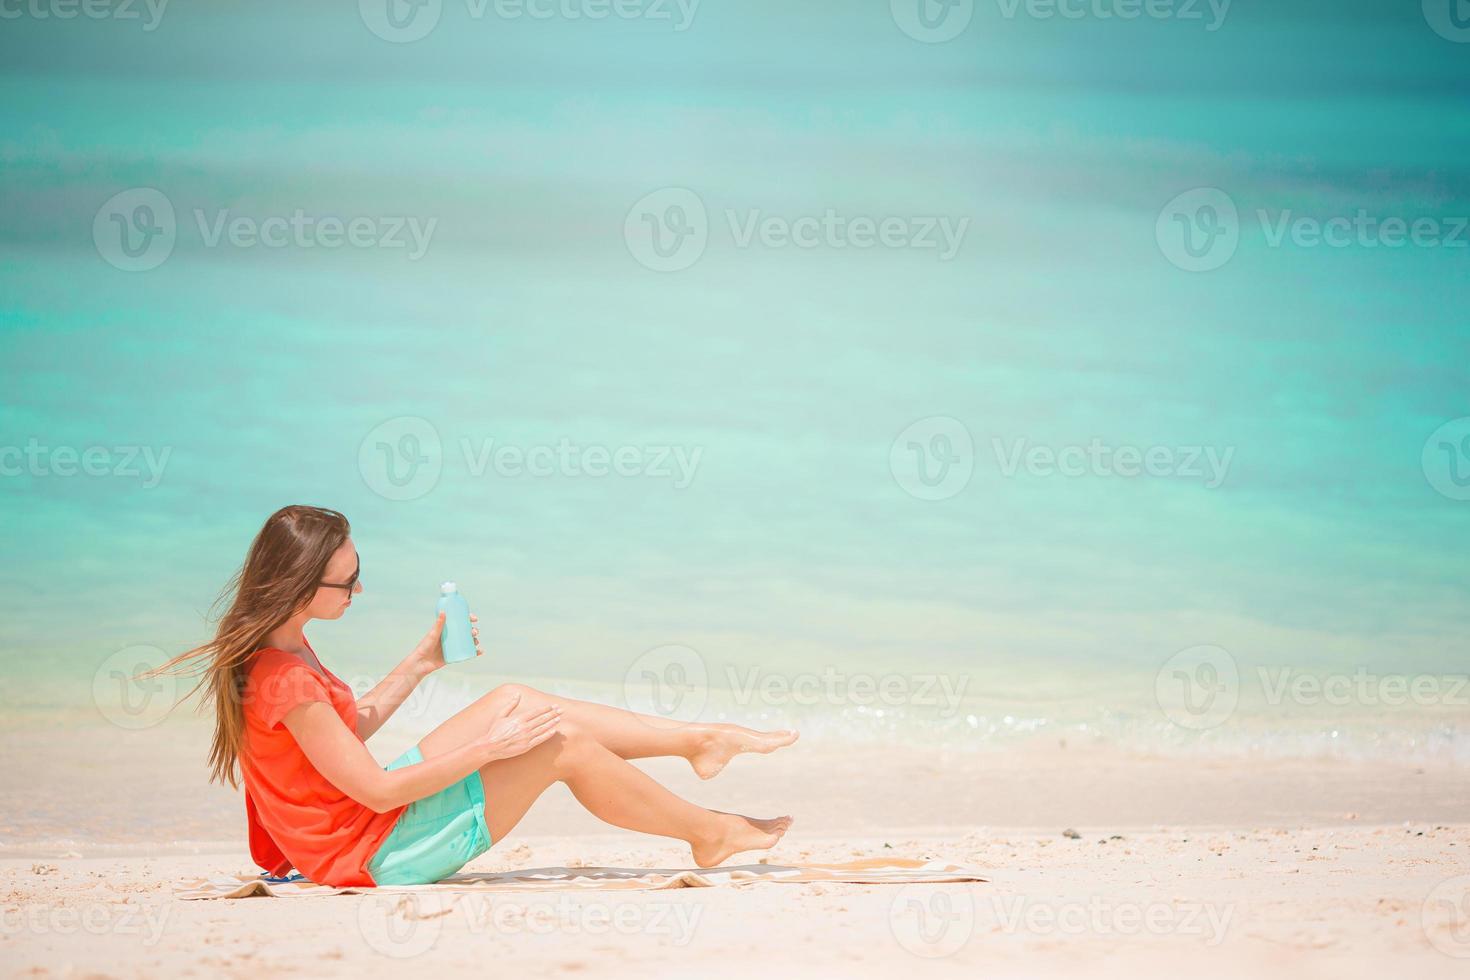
x=350, y=584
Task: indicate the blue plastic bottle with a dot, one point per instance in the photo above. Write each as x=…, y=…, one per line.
x=455, y=642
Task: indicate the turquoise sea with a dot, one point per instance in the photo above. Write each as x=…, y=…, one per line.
x=598, y=316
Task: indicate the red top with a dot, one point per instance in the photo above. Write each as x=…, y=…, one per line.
x=298, y=819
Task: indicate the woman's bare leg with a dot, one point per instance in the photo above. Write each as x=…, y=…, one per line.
x=615, y=791
x=630, y=735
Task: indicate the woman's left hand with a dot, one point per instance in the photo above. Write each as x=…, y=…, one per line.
x=429, y=655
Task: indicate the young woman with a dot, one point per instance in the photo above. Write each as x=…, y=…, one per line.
x=317, y=801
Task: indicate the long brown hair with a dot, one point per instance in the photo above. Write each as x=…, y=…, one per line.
x=285, y=563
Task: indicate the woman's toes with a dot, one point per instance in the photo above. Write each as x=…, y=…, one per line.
x=771, y=741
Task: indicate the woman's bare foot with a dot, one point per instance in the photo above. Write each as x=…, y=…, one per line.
x=738, y=833
x=725, y=742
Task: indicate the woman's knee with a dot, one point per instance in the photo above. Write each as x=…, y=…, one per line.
x=570, y=748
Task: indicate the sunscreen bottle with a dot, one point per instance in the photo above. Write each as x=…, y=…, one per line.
x=456, y=642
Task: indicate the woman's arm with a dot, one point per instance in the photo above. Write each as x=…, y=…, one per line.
x=345, y=762
x=376, y=706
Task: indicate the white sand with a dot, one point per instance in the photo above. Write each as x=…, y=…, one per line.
x=1230, y=869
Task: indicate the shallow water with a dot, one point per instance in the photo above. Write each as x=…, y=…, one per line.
x=774, y=516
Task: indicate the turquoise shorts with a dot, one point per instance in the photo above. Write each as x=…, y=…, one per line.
x=434, y=837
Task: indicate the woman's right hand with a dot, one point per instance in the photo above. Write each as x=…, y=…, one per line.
x=513, y=732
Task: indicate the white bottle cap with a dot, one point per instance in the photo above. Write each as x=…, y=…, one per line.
x=448, y=587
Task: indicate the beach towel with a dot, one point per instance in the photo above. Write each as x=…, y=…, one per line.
x=870, y=871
